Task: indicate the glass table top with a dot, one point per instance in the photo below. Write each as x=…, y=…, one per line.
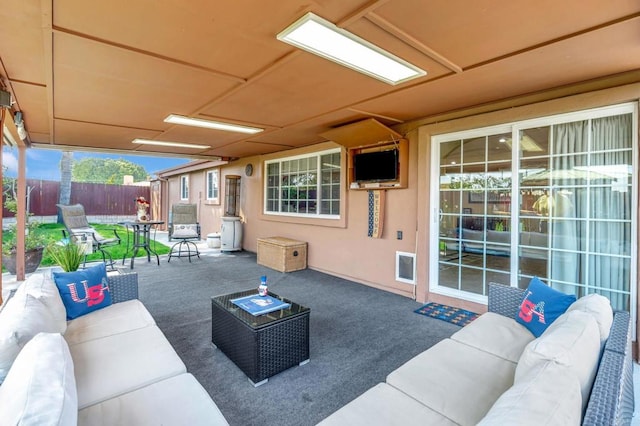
x=258, y=321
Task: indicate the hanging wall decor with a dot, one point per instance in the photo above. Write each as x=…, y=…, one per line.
x=376, y=213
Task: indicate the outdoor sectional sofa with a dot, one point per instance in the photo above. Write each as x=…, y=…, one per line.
x=494, y=372
x=111, y=366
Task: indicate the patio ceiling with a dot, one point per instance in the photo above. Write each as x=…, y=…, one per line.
x=97, y=75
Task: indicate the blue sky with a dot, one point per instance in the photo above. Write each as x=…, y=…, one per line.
x=45, y=163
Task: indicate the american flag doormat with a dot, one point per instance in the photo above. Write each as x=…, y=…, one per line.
x=450, y=314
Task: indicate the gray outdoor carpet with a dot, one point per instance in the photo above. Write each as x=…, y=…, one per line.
x=358, y=335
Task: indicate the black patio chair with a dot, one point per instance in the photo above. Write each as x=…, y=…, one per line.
x=79, y=231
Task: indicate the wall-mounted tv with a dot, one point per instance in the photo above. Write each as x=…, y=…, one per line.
x=377, y=166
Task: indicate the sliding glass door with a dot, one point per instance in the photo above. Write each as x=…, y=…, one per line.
x=558, y=192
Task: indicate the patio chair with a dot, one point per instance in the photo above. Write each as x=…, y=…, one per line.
x=184, y=226
x=79, y=231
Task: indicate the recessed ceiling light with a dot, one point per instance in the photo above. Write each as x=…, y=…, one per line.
x=210, y=124
x=322, y=38
x=166, y=143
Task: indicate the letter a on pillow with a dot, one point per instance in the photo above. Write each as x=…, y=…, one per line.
x=541, y=306
x=83, y=291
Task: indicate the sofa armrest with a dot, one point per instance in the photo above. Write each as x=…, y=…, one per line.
x=504, y=300
x=619, y=339
x=123, y=287
x=612, y=401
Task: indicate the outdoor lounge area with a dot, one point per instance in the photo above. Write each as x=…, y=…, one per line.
x=369, y=158
x=359, y=339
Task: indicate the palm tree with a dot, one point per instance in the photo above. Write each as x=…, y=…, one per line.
x=66, y=165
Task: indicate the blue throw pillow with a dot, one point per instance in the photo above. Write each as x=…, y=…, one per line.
x=541, y=306
x=83, y=291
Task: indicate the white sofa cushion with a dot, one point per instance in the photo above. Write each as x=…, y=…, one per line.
x=456, y=380
x=497, y=335
x=549, y=394
x=114, y=319
x=598, y=306
x=42, y=287
x=384, y=405
x=23, y=317
x=114, y=365
x=572, y=341
x=178, y=401
x=40, y=388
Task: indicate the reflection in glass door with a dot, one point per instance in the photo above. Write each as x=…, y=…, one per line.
x=475, y=212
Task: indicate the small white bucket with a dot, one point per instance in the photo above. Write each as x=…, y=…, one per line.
x=213, y=240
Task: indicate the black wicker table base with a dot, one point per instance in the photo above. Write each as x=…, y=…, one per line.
x=261, y=346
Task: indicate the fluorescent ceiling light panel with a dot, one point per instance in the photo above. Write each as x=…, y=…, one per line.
x=321, y=37
x=210, y=124
x=526, y=144
x=166, y=143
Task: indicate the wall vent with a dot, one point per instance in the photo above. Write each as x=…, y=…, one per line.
x=406, y=267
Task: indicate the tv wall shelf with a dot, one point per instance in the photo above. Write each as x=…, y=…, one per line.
x=370, y=136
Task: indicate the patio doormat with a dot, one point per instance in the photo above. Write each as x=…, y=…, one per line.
x=450, y=314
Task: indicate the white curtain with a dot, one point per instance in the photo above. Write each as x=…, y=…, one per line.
x=569, y=140
x=610, y=230
x=590, y=244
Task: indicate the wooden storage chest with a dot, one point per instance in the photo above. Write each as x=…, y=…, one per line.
x=282, y=254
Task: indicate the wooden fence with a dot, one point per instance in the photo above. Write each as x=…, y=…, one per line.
x=97, y=198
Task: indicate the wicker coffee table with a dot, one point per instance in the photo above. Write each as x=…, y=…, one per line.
x=264, y=345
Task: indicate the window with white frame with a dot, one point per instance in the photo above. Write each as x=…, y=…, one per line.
x=213, y=186
x=304, y=185
x=184, y=187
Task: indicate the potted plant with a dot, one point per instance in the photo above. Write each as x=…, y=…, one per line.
x=67, y=255
x=33, y=244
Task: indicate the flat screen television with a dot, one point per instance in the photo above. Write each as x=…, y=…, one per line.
x=378, y=166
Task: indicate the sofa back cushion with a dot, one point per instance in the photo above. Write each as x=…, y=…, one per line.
x=502, y=237
x=474, y=239
x=573, y=342
x=547, y=394
x=600, y=307
x=23, y=317
x=42, y=287
x=496, y=334
x=40, y=389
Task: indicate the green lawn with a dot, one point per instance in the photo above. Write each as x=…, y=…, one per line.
x=53, y=233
